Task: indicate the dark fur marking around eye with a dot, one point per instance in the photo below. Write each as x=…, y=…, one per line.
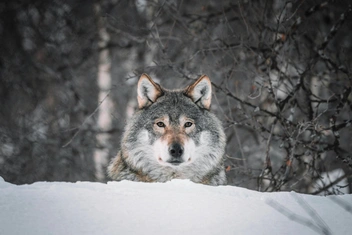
x=160, y=124
x=188, y=124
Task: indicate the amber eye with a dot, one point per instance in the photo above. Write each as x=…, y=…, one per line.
x=188, y=124
x=160, y=124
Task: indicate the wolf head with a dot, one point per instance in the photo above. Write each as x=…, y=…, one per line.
x=172, y=135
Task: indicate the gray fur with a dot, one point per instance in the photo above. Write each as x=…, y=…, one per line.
x=135, y=161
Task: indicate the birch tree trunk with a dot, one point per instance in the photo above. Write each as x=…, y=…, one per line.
x=104, y=118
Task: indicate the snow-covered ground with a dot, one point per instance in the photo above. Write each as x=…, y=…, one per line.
x=176, y=207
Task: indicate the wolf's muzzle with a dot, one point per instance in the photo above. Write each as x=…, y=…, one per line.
x=176, y=151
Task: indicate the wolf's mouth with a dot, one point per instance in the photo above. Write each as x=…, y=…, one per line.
x=175, y=162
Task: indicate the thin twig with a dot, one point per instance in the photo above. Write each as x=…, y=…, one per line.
x=85, y=120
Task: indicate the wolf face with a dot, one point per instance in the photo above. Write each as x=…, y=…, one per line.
x=172, y=135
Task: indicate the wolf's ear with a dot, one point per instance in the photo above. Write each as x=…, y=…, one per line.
x=148, y=91
x=200, y=92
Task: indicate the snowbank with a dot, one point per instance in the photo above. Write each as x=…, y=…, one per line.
x=176, y=207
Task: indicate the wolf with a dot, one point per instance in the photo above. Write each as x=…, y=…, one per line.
x=173, y=135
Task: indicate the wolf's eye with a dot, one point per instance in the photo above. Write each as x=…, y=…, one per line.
x=188, y=124
x=160, y=124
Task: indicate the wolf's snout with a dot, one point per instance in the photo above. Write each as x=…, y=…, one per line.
x=176, y=151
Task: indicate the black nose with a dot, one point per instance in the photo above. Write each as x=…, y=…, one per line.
x=176, y=150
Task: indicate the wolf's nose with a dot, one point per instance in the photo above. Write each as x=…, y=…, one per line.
x=176, y=150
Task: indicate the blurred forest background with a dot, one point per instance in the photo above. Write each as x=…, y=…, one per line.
x=281, y=73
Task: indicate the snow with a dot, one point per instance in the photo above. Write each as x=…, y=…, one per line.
x=175, y=207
